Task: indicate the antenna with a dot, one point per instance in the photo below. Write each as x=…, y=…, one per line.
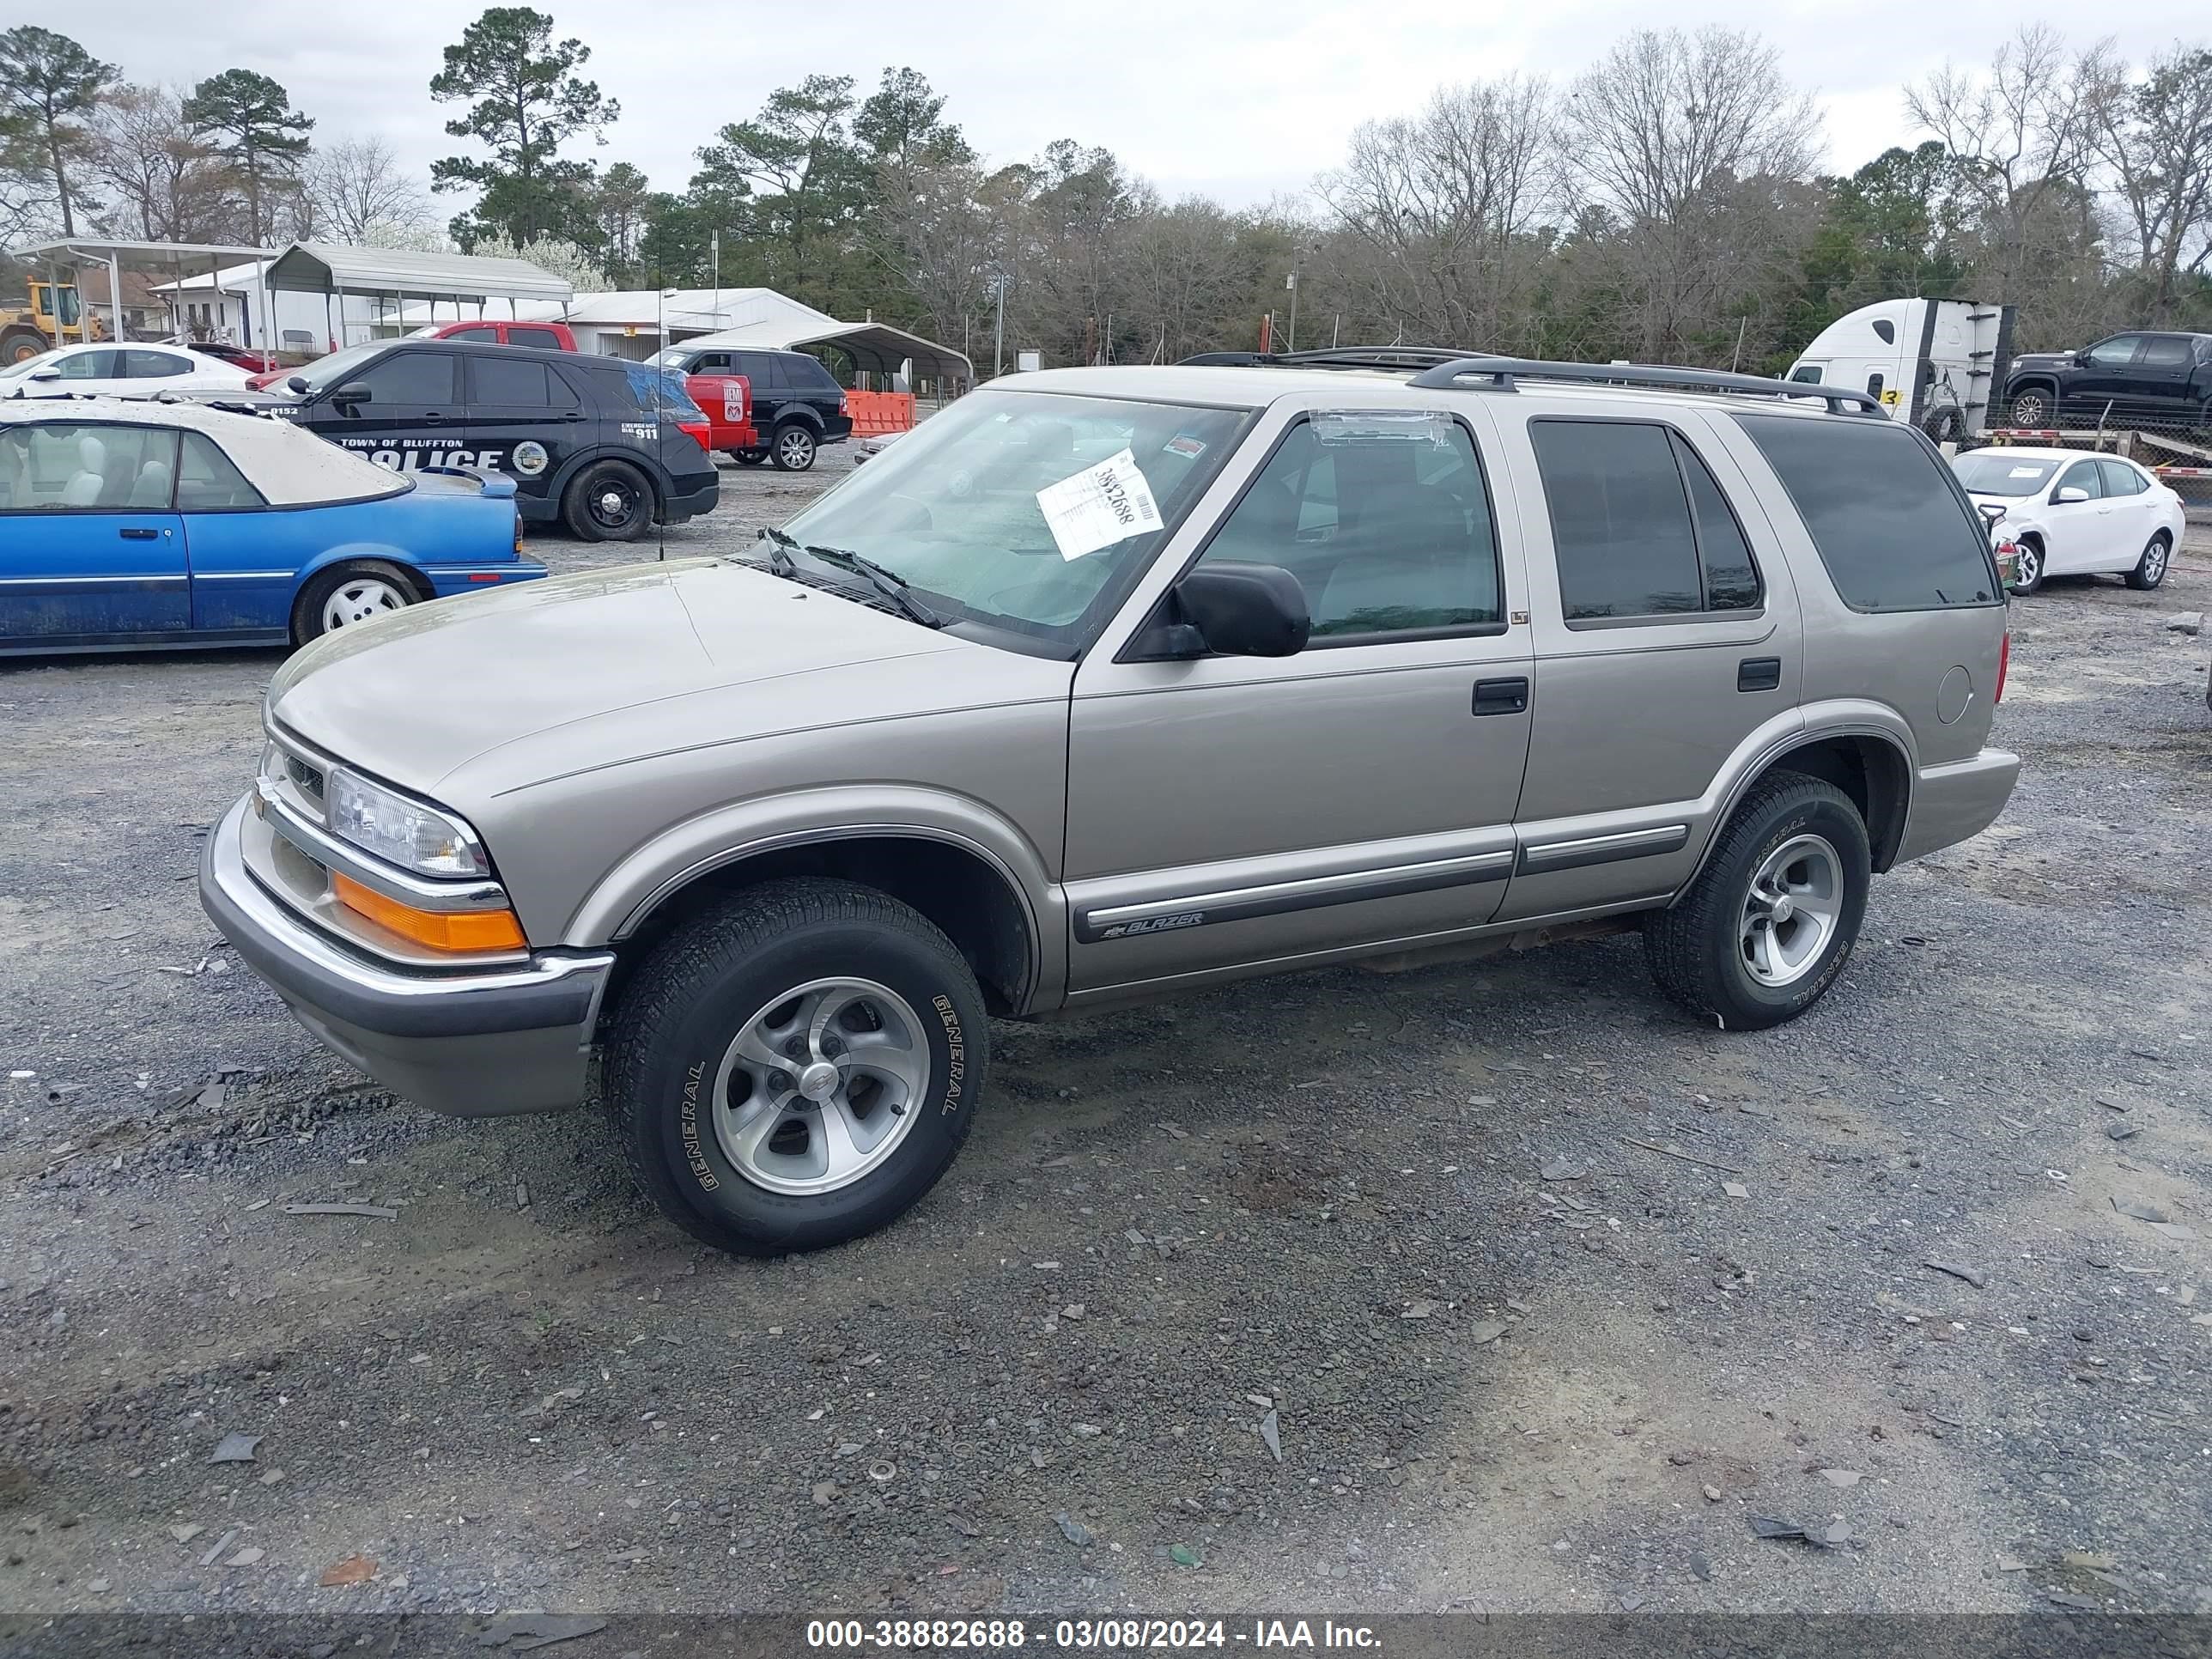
x=659, y=424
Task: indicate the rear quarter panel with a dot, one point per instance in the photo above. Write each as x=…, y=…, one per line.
x=248, y=568
x=1896, y=660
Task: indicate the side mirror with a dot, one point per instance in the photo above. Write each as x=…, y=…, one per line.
x=296, y=383
x=1240, y=609
x=46, y=374
x=350, y=394
x=2068, y=496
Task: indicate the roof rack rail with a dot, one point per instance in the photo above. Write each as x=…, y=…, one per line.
x=1382, y=358
x=1502, y=372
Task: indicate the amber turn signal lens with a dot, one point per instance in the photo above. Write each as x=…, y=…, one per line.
x=440, y=930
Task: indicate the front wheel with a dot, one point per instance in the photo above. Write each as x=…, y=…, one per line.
x=348, y=596
x=2150, y=569
x=608, y=502
x=2031, y=409
x=2028, y=566
x=792, y=448
x=1767, y=926
x=796, y=1066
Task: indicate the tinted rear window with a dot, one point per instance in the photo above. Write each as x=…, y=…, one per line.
x=1891, y=524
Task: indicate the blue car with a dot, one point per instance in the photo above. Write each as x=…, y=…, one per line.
x=127, y=526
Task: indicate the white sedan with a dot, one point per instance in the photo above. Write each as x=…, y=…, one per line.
x=101, y=370
x=2075, y=514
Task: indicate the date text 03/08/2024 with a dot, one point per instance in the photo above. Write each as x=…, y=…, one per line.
x=1109, y=1635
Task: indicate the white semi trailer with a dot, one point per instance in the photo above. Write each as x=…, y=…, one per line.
x=1937, y=364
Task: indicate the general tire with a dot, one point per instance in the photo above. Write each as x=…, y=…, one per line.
x=608, y=502
x=2150, y=569
x=748, y=457
x=700, y=986
x=2028, y=566
x=1696, y=950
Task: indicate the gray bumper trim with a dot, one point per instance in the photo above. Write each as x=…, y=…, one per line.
x=306, y=966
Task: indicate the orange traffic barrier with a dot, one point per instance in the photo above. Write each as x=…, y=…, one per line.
x=875, y=412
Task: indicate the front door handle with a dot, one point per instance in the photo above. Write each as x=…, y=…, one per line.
x=434, y=418
x=137, y=535
x=1759, y=674
x=1502, y=696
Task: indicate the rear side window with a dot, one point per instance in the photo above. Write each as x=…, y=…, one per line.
x=482, y=336
x=763, y=368
x=803, y=370
x=1890, y=522
x=543, y=338
x=208, y=482
x=2121, y=479
x=2166, y=351
x=512, y=382
x=1639, y=526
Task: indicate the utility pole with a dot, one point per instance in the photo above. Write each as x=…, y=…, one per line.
x=1292, y=283
x=998, y=333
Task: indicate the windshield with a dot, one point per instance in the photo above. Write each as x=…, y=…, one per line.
x=674, y=357
x=14, y=370
x=1993, y=472
x=333, y=370
x=1027, y=511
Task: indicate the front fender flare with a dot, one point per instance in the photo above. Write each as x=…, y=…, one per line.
x=649, y=873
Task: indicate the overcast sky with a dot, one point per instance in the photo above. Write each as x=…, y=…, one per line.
x=1239, y=99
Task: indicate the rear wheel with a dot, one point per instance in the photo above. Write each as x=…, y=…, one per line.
x=1767, y=926
x=793, y=448
x=2030, y=407
x=608, y=502
x=350, y=595
x=2150, y=569
x=796, y=1067
x=2027, y=565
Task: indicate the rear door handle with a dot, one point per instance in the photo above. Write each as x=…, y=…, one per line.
x=134, y=535
x=1759, y=674
x=1502, y=696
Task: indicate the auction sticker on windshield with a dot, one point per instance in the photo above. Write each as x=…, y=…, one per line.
x=1099, y=506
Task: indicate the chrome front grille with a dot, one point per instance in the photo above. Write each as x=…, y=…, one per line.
x=308, y=779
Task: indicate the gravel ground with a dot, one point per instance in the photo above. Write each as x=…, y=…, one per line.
x=1400, y=1227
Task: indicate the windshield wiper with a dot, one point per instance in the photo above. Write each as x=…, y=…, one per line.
x=889, y=583
x=778, y=550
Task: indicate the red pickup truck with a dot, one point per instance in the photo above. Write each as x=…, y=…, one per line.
x=726, y=399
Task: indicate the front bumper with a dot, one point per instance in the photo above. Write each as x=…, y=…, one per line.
x=483, y=1044
x=1954, y=802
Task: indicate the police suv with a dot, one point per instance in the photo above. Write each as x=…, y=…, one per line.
x=605, y=446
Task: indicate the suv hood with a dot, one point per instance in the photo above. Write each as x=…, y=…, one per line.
x=413, y=696
x=2042, y=360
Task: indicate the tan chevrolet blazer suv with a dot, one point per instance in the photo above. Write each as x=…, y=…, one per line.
x=1109, y=683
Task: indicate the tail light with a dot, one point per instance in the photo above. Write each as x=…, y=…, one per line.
x=844, y=404
x=700, y=433
x=2005, y=663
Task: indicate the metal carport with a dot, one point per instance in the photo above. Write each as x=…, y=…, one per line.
x=147, y=258
x=401, y=274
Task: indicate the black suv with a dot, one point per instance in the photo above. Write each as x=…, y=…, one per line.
x=2164, y=377
x=595, y=443
x=797, y=403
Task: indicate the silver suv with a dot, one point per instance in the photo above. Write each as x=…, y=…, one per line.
x=1109, y=683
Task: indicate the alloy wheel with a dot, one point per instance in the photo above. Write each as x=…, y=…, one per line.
x=1790, y=913
x=358, y=599
x=821, y=1086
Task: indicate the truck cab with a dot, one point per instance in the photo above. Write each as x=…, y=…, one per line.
x=1932, y=362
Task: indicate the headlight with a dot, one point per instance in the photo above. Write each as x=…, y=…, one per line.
x=400, y=831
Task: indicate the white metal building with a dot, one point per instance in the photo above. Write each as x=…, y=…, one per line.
x=631, y=324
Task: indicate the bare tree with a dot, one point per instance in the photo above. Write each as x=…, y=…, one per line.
x=2025, y=132
x=1665, y=133
x=162, y=183
x=1438, y=214
x=932, y=230
x=354, y=190
x=2156, y=138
